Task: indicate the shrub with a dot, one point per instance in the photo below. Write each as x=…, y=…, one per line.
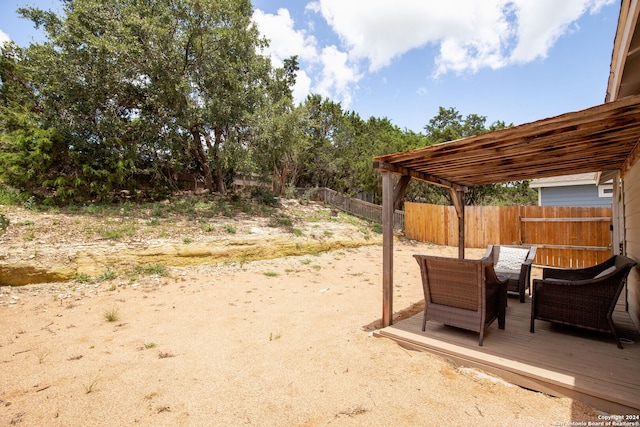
x=264, y=196
x=4, y=224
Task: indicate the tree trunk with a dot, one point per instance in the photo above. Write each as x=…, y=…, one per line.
x=201, y=155
x=219, y=178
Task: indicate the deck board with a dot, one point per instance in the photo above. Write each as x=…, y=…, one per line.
x=556, y=359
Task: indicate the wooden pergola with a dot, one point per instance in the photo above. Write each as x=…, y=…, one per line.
x=604, y=139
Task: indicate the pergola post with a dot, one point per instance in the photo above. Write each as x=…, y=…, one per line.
x=457, y=196
x=387, y=247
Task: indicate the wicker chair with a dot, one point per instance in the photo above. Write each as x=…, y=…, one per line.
x=584, y=297
x=517, y=269
x=462, y=293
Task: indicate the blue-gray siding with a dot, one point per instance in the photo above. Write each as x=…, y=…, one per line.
x=574, y=195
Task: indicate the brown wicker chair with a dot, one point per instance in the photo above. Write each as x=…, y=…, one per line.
x=519, y=272
x=584, y=297
x=462, y=293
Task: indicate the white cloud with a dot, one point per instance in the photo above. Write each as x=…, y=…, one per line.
x=337, y=77
x=302, y=86
x=4, y=37
x=470, y=35
x=466, y=36
x=285, y=41
x=325, y=71
x=542, y=23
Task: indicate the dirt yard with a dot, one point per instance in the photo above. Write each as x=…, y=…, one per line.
x=158, y=327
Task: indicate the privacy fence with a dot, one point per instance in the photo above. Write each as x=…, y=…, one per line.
x=567, y=237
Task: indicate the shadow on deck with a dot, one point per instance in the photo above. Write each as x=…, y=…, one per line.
x=556, y=359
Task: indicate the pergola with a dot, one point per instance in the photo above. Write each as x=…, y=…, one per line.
x=603, y=139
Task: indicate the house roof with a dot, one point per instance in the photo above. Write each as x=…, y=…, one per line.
x=592, y=140
x=565, y=180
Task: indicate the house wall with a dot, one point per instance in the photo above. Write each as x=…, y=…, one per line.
x=631, y=201
x=573, y=195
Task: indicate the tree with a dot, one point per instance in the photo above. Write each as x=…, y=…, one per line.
x=140, y=90
x=279, y=143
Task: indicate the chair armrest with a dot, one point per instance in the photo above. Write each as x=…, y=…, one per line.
x=565, y=274
x=552, y=281
x=488, y=255
x=492, y=277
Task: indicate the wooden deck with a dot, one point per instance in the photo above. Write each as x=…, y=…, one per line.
x=557, y=360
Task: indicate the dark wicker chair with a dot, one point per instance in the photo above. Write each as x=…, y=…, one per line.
x=519, y=273
x=584, y=297
x=462, y=293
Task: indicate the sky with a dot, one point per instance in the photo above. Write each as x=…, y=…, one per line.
x=515, y=61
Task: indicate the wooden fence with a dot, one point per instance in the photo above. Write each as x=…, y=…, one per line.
x=567, y=237
x=357, y=207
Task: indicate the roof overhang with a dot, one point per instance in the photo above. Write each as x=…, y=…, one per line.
x=592, y=140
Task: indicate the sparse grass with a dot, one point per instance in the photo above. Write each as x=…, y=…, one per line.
x=4, y=223
x=275, y=336
x=306, y=261
x=83, y=278
x=208, y=228
x=42, y=354
x=149, y=345
x=106, y=276
x=229, y=228
x=117, y=232
x=316, y=267
x=280, y=220
x=327, y=233
x=186, y=240
x=242, y=260
x=111, y=315
x=150, y=269
x=90, y=386
x=296, y=232
x=270, y=274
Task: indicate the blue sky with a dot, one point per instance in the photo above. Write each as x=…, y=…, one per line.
x=511, y=60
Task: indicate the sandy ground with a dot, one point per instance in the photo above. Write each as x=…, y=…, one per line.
x=281, y=342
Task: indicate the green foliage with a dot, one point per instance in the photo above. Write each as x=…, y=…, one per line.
x=4, y=223
x=111, y=315
x=280, y=220
x=137, y=92
x=83, y=278
x=106, y=276
x=376, y=228
x=264, y=196
x=149, y=269
x=9, y=196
